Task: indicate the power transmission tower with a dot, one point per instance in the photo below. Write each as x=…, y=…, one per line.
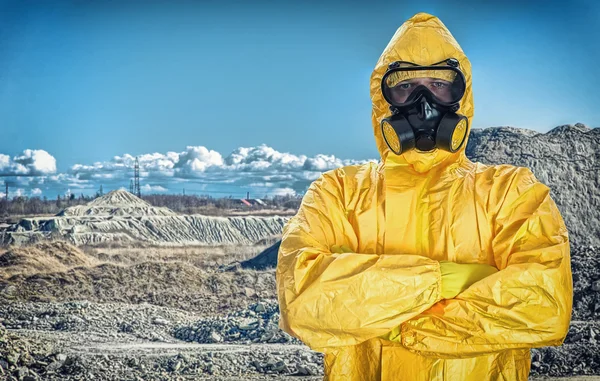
x=136, y=176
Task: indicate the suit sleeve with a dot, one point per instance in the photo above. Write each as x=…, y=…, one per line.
x=526, y=304
x=337, y=299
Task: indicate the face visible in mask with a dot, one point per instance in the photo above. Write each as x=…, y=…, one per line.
x=439, y=87
x=423, y=100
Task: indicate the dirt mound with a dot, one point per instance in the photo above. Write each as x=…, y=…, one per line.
x=119, y=197
x=116, y=203
x=185, y=278
x=170, y=284
x=42, y=257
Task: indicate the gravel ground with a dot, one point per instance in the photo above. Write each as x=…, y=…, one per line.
x=91, y=341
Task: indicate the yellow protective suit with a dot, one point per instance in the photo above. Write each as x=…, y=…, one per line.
x=396, y=220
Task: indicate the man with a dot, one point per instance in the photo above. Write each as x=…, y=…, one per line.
x=426, y=266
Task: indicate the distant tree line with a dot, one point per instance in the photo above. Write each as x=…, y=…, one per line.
x=24, y=205
x=186, y=204
x=198, y=204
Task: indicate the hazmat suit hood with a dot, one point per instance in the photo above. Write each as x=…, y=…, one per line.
x=423, y=39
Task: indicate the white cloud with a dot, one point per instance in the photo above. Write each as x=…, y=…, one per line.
x=4, y=161
x=261, y=185
x=31, y=162
x=196, y=169
x=154, y=188
x=36, y=192
x=309, y=176
x=60, y=177
x=281, y=177
x=197, y=159
x=245, y=165
x=284, y=192
x=100, y=176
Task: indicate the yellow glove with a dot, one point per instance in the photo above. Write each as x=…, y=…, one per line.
x=393, y=335
x=340, y=249
x=457, y=277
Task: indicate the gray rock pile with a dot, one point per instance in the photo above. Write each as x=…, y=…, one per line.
x=585, y=265
x=207, y=365
x=566, y=158
x=579, y=354
x=143, y=321
x=256, y=324
x=301, y=363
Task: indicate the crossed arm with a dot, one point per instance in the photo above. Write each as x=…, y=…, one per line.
x=330, y=298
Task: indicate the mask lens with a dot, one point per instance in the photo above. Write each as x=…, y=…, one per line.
x=460, y=132
x=398, y=134
x=402, y=85
x=391, y=137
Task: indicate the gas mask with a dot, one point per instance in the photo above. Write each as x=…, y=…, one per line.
x=423, y=101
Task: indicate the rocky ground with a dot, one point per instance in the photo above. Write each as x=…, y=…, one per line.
x=81, y=323
x=116, y=341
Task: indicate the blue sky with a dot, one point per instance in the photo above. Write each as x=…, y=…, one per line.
x=229, y=97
